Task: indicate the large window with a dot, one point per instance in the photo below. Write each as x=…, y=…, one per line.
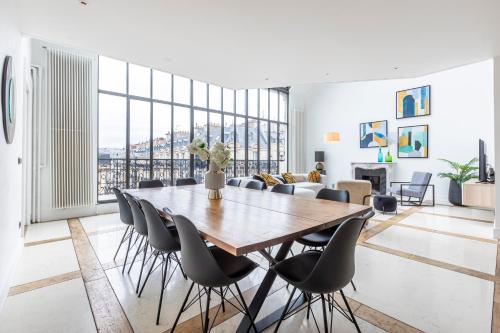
x=148, y=117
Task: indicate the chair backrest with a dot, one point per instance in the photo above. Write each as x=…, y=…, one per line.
x=255, y=185
x=185, y=181
x=234, y=182
x=333, y=195
x=419, y=182
x=359, y=190
x=125, y=211
x=335, y=268
x=283, y=188
x=197, y=261
x=160, y=237
x=151, y=183
x=139, y=219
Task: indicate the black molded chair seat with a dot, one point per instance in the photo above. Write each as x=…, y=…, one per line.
x=234, y=267
x=150, y=183
x=297, y=268
x=318, y=239
x=185, y=181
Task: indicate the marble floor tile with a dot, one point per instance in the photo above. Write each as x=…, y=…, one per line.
x=429, y=298
x=450, y=224
x=62, y=307
x=45, y=260
x=383, y=217
x=104, y=222
x=468, y=253
x=464, y=212
x=105, y=245
x=46, y=230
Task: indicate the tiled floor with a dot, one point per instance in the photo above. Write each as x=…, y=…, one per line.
x=413, y=273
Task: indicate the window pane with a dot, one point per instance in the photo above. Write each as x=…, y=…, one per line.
x=240, y=147
x=228, y=98
x=161, y=142
x=215, y=128
x=252, y=147
x=139, y=81
x=200, y=94
x=215, y=97
x=112, y=75
x=241, y=101
x=264, y=103
x=139, y=141
x=182, y=121
x=162, y=86
x=283, y=144
x=112, y=143
x=182, y=90
x=252, y=102
x=283, y=104
x=274, y=148
x=200, y=132
x=273, y=100
x=264, y=146
x=229, y=139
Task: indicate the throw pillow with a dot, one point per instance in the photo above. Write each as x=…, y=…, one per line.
x=288, y=177
x=268, y=179
x=314, y=176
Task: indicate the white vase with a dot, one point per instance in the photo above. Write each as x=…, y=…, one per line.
x=215, y=180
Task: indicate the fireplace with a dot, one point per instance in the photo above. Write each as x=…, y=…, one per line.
x=378, y=178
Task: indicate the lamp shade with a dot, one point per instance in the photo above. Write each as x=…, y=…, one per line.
x=332, y=137
x=319, y=156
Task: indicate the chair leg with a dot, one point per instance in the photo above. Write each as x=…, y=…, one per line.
x=308, y=305
x=180, y=266
x=142, y=266
x=128, y=249
x=353, y=286
x=207, y=310
x=182, y=308
x=139, y=248
x=222, y=300
x=350, y=312
x=162, y=289
x=121, y=242
x=283, y=314
x=252, y=321
x=325, y=318
x=149, y=273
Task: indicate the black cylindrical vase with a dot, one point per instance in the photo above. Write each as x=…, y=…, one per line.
x=455, y=193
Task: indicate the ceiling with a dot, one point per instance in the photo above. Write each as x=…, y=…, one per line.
x=249, y=44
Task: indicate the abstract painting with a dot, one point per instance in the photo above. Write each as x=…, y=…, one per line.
x=373, y=134
x=413, y=141
x=414, y=102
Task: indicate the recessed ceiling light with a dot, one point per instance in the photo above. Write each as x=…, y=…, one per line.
x=395, y=68
x=267, y=79
x=327, y=74
x=84, y=2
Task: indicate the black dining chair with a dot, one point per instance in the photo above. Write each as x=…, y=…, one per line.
x=324, y=273
x=127, y=218
x=212, y=269
x=234, y=182
x=185, y=181
x=150, y=183
x=165, y=244
x=283, y=188
x=255, y=185
x=141, y=228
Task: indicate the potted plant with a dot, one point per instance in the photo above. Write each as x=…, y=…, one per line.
x=461, y=173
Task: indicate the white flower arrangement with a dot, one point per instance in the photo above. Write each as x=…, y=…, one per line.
x=220, y=154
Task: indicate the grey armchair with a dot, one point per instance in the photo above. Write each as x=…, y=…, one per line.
x=414, y=190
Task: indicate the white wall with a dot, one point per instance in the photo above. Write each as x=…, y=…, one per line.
x=13, y=44
x=461, y=113
x=496, y=231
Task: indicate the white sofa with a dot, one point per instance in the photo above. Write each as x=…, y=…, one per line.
x=303, y=188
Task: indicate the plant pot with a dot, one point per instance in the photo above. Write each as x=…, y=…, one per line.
x=215, y=180
x=455, y=193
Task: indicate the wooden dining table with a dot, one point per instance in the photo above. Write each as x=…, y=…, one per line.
x=246, y=221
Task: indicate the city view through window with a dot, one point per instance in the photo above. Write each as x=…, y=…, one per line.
x=148, y=117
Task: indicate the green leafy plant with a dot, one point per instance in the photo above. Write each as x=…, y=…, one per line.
x=462, y=172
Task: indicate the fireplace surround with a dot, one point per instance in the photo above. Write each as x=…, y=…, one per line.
x=379, y=174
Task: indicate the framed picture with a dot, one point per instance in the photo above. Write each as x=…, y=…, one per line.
x=413, y=141
x=373, y=134
x=415, y=102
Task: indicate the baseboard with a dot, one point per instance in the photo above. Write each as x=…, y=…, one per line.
x=11, y=268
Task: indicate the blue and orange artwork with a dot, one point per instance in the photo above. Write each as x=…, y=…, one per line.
x=414, y=102
x=413, y=141
x=373, y=134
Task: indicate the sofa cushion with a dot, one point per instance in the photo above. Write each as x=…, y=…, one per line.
x=314, y=177
x=288, y=177
x=268, y=179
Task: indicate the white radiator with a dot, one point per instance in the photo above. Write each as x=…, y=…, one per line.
x=69, y=90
